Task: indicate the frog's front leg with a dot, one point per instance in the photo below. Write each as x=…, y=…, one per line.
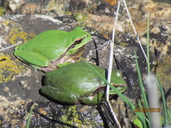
x=33, y=58
x=59, y=94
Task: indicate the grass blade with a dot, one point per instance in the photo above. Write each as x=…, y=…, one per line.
x=29, y=118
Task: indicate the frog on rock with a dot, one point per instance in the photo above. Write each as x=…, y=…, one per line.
x=78, y=83
x=53, y=49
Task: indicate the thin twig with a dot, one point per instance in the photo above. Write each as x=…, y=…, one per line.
x=129, y=16
x=111, y=52
x=110, y=67
x=3, y=49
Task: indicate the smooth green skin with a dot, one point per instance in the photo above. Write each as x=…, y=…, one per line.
x=50, y=45
x=77, y=83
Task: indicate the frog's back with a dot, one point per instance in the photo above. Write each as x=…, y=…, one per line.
x=45, y=39
x=46, y=43
x=76, y=77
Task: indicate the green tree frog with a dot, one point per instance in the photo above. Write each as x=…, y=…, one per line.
x=77, y=83
x=54, y=48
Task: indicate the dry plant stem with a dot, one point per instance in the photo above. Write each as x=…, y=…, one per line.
x=110, y=68
x=129, y=16
x=3, y=49
x=151, y=84
x=111, y=53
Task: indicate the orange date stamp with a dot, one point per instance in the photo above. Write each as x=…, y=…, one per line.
x=146, y=109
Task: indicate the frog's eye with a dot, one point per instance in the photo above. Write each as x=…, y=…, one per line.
x=76, y=42
x=79, y=40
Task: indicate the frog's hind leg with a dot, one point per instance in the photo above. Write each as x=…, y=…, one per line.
x=33, y=58
x=59, y=94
